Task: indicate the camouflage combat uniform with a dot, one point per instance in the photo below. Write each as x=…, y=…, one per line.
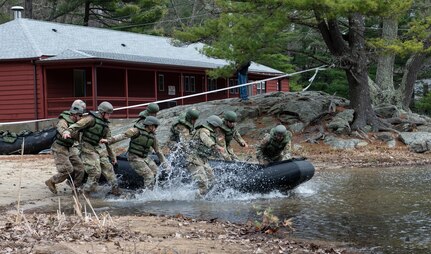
x=182, y=130
x=142, y=116
x=93, y=155
x=141, y=143
x=271, y=150
x=232, y=134
x=66, y=160
x=203, y=145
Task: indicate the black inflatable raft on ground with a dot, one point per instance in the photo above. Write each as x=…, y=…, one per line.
x=246, y=177
x=34, y=142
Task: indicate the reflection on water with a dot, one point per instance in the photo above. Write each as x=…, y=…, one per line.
x=384, y=210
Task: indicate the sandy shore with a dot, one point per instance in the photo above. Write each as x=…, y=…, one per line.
x=23, y=177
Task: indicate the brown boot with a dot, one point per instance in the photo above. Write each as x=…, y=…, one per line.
x=51, y=186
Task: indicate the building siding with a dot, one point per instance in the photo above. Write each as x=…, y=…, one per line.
x=55, y=88
x=17, y=98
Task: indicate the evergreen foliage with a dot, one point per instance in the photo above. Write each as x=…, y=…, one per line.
x=423, y=106
x=244, y=31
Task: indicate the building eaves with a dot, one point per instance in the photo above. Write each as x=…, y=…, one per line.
x=67, y=42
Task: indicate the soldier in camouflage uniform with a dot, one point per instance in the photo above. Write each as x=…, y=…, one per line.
x=76, y=148
x=182, y=129
x=94, y=127
x=79, y=103
x=275, y=146
x=229, y=121
x=203, y=145
x=151, y=110
x=142, y=142
x=67, y=162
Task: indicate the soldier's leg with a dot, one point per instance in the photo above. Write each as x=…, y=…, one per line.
x=232, y=155
x=199, y=176
x=153, y=167
x=209, y=172
x=142, y=168
x=109, y=174
x=92, y=167
x=78, y=169
x=63, y=165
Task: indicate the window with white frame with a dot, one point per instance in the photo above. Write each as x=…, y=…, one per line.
x=261, y=87
x=189, y=84
x=161, y=82
x=233, y=82
x=212, y=84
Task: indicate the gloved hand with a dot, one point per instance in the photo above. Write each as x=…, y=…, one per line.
x=166, y=166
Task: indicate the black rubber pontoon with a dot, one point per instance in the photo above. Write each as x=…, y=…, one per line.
x=34, y=142
x=243, y=176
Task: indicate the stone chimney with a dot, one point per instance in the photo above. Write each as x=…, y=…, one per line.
x=17, y=11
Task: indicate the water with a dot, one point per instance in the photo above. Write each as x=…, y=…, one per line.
x=384, y=210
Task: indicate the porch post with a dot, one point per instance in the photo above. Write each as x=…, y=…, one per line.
x=156, y=88
x=94, y=86
x=181, y=87
x=206, y=86
x=45, y=93
x=126, y=92
x=227, y=85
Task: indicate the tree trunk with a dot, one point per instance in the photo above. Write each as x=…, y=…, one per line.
x=87, y=12
x=28, y=9
x=357, y=76
x=385, y=67
x=353, y=59
x=413, y=66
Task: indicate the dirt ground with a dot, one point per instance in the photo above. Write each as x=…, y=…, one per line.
x=22, y=189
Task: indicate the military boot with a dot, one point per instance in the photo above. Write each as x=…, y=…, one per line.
x=51, y=186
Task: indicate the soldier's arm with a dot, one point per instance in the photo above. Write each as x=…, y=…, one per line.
x=221, y=144
x=263, y=143
x=288, y=148
x=157, y=151
x=122, y=136
x=205, y=136
x=62, y=128
x=81, y=124
x=111, y=153
x=183, y=133
x=239, y=139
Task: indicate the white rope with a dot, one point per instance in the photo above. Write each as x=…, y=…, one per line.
x=27, y=121
x=316, y=69
x=323, y=67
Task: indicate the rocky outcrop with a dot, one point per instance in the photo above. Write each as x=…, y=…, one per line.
x=316, y=116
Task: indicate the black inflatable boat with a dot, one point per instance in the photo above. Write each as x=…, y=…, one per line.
x=242, y=176
x=34, y=142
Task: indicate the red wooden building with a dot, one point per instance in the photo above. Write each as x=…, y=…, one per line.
x=45, y=66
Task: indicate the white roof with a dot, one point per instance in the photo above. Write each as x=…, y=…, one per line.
x=26, y=38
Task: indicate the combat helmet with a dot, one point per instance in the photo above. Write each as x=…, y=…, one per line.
x=215, y=121
x=280, y=129
x=76, y=110
x=153, y=108
x=105, y=107
x=151, y=120
x=80, y=103
x=230, y=116
x=192, y=114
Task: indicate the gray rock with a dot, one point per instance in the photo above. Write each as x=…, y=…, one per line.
x=384, y=136
x=340, y=124
x=339, y=143
x=418, y=142
x=387, y=111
